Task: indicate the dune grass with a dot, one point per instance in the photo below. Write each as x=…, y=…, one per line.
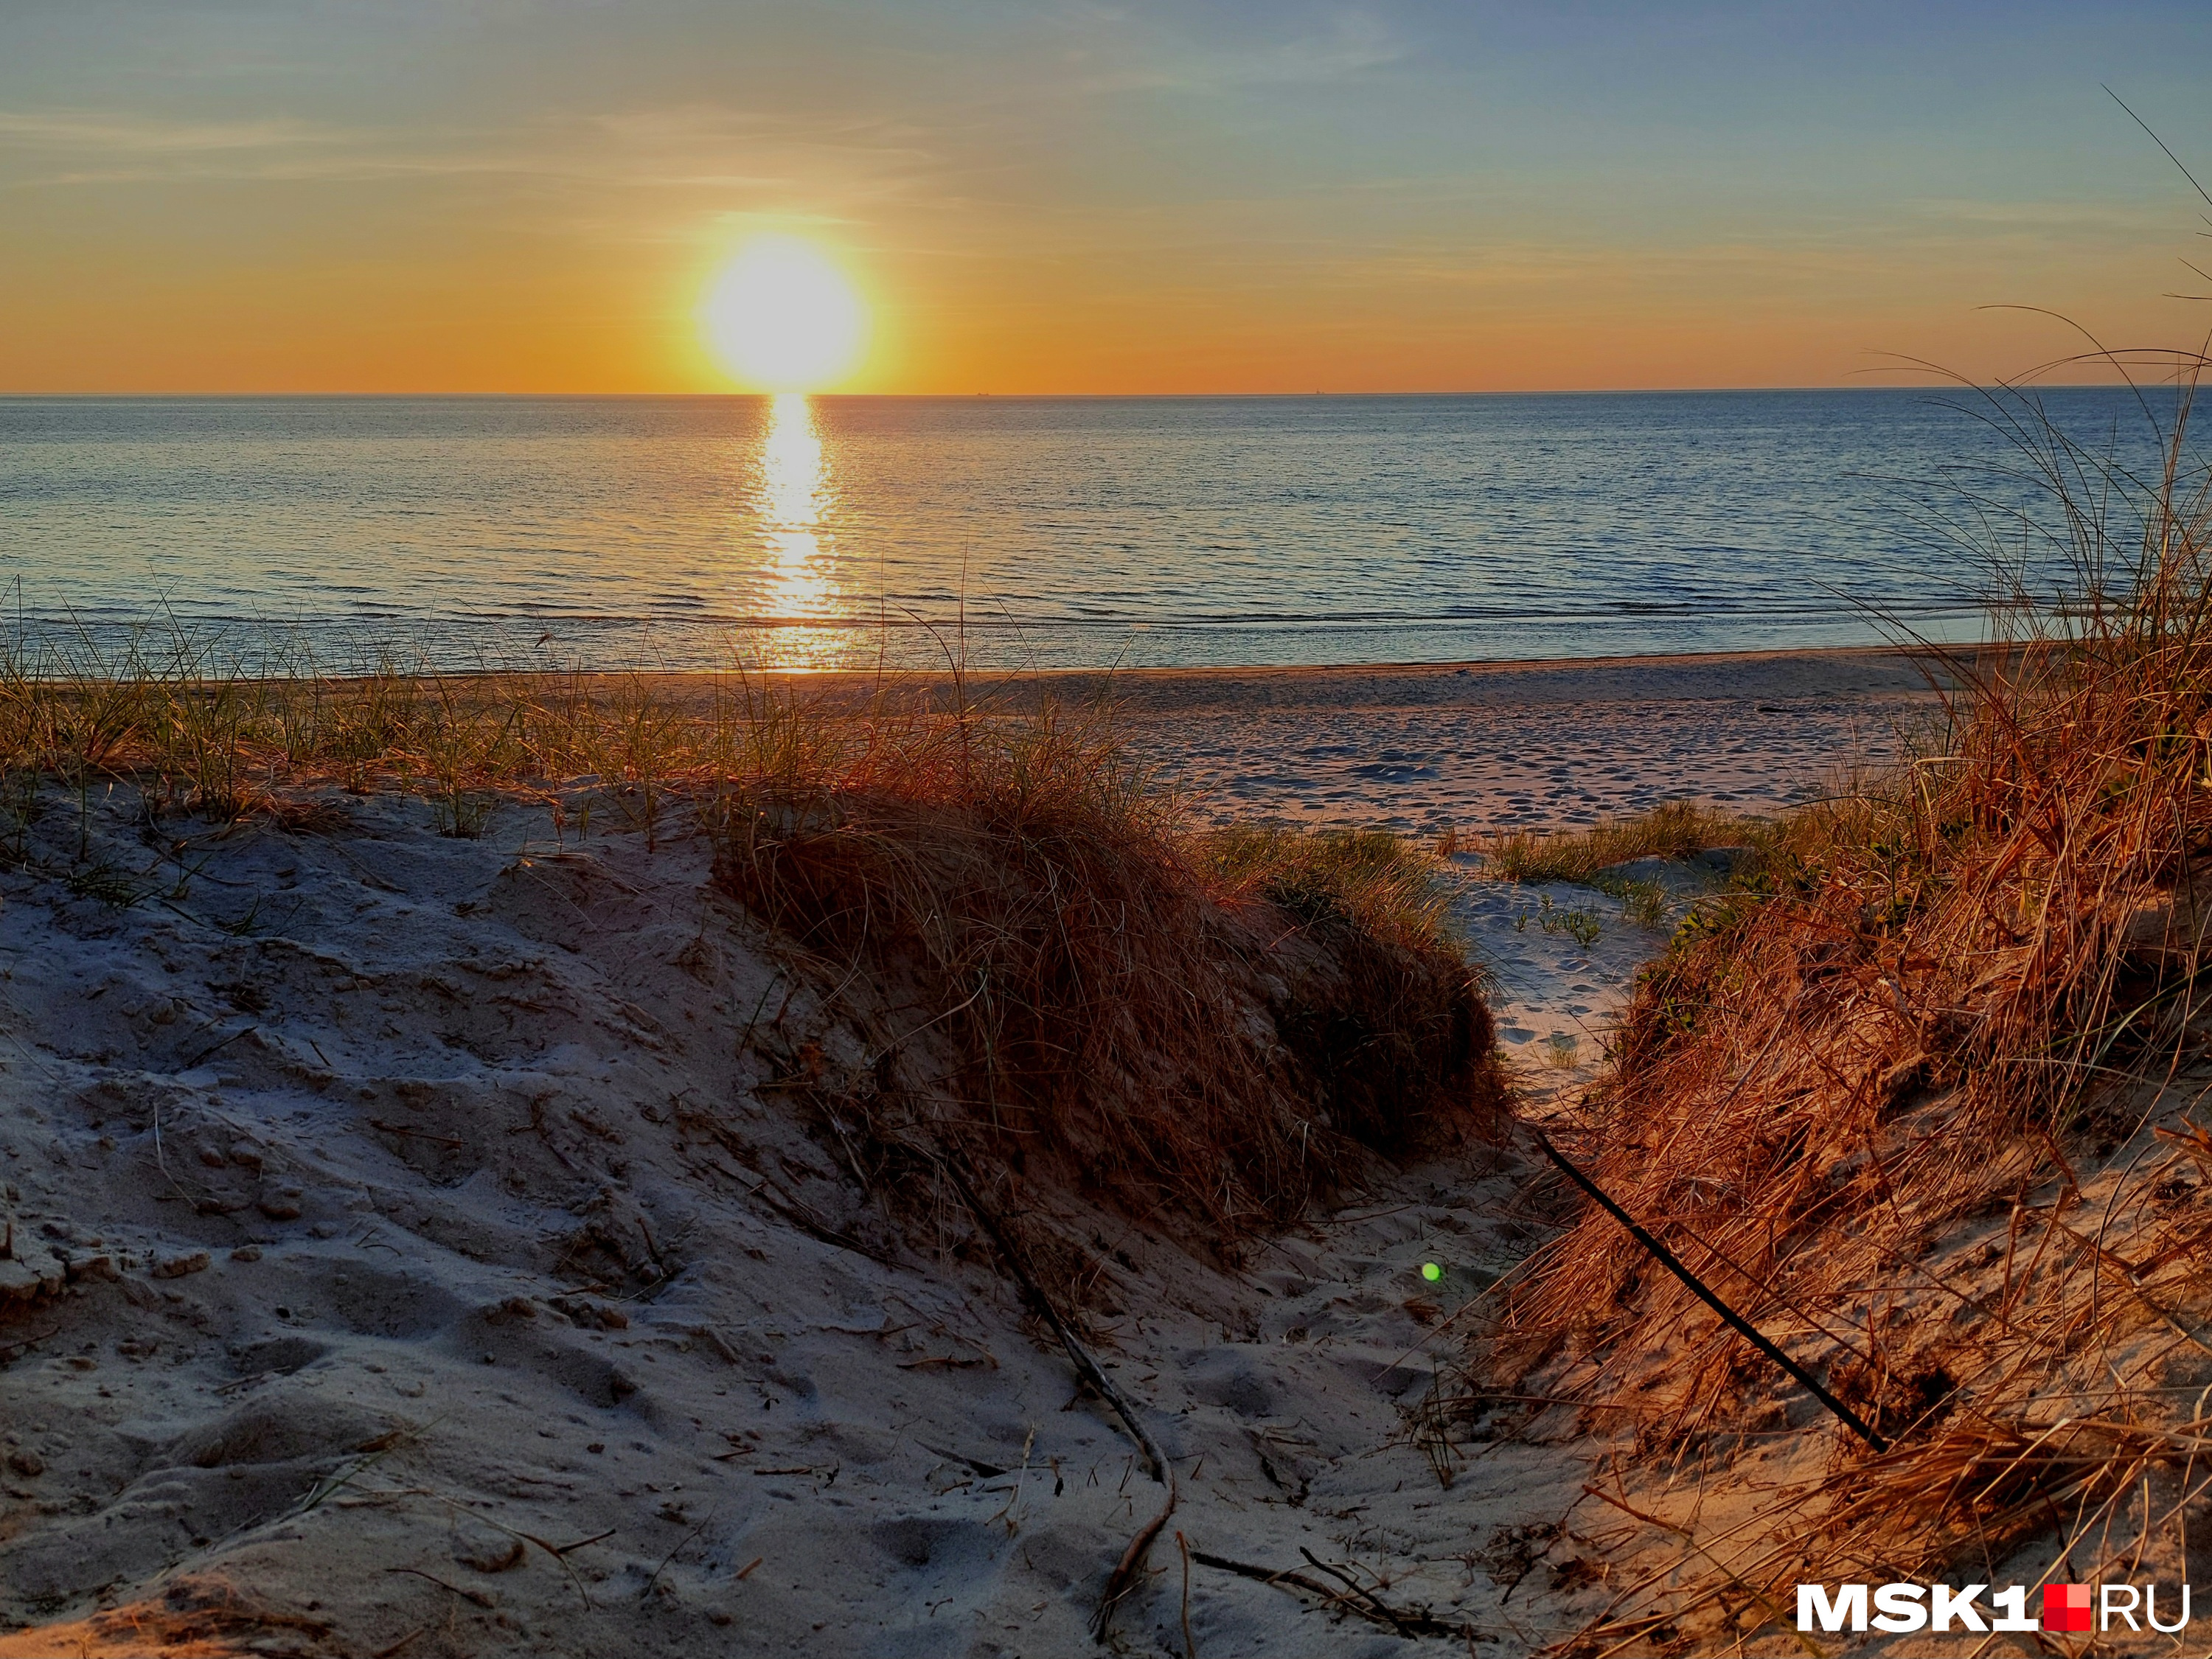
x=1222, y=1024
x=1370, y=879
x=1099, y=967
x=1916, y=1095
x=1672, y=829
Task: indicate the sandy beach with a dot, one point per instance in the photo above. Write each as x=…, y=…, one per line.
x=380, y=1292
x=1472, y=746
x=1486, y=746
x=1482, y=747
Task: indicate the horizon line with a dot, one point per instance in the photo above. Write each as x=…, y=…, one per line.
x=1933, y=383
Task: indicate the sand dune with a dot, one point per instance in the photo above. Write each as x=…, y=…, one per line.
x=385, y=1286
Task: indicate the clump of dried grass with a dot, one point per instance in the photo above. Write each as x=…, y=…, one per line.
x=1896, y=1097
x=1672, y=829
x=1219, y=1026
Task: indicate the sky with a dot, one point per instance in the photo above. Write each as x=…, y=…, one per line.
x=1210, y=196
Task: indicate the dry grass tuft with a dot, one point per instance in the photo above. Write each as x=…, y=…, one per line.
x=1672, y=829
x=1221, y=1026
x=1899, y=1096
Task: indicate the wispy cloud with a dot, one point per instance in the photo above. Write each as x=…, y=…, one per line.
x=1351, y=43
x=702, y=148
x=2136, y=219
x=705, y=144
x=112, y=133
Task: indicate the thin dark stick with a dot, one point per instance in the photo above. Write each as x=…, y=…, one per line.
x=1190, y=1646
x=1365, y=1606
x=215, y=1048
x=1743, y=1328
x=673, y=1554
x=1131, y=1566
x=476, y=1596
x=1353, y=1585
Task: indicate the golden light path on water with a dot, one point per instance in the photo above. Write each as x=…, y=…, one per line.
x=797, y=588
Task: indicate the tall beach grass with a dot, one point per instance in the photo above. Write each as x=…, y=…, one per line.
x=1919, y=1094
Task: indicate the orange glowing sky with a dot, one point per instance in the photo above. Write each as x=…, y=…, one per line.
x=418, y=195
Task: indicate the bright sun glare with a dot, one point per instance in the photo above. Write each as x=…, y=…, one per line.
x=781, y=317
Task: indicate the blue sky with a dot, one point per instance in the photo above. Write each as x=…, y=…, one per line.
x=531, y=194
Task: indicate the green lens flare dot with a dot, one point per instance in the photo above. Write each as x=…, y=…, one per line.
x=1430, y=1272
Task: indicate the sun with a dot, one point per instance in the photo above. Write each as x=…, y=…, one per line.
x=782, y=317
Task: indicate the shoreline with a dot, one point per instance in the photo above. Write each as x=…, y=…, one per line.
x=1688, y=676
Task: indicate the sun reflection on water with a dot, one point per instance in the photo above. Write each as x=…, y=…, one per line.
x=797, y=593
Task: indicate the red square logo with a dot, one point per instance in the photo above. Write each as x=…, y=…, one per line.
x=2066, y=1607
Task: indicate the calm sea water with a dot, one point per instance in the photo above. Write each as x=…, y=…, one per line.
x=1059, y=531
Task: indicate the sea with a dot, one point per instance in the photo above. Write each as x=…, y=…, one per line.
x=1053, y=532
